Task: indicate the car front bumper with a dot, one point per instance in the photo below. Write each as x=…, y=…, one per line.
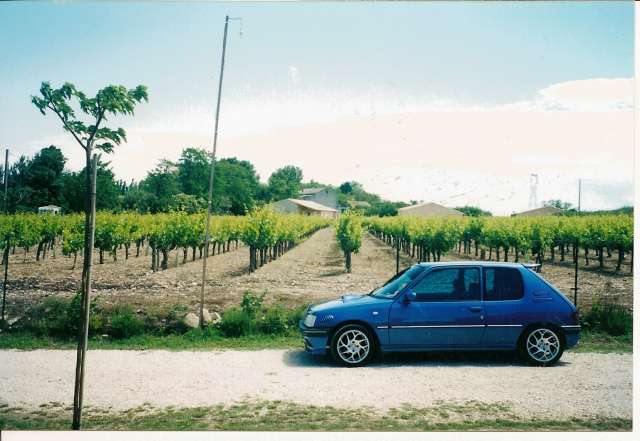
x=315, y=340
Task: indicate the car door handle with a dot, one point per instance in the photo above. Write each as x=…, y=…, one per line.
x=475, y=308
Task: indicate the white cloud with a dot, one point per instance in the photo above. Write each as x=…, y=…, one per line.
x=597, y=94
x=294, y=74
x=404, y=148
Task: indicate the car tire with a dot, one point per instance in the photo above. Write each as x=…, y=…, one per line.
x=541, y=345
x=353, y=345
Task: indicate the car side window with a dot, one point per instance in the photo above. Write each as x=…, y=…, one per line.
x=502, y=284
x=449, y=285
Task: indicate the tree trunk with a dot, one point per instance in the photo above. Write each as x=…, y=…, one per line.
x=101, y=257
x=165, y=259
x=601, y=257
x=185, y=253
x=347, y=260
x=506, y=254
x=5, y=260
x=586, y=256
x=620, y=258
x=38, y=251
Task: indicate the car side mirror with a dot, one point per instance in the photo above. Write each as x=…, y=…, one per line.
x=409, y=296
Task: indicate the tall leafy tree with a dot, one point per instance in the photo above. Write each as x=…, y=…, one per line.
x=193, y=171
x=91, y=135
x=285, y=182
x=162, y=185
x=73, y=188
x=236, y=187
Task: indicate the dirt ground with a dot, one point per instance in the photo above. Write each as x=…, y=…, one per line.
x=311, y=272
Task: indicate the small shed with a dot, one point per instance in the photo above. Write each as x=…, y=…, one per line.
x=299, y=206
x=542, y=211
x=429, y=209
x=49, y=209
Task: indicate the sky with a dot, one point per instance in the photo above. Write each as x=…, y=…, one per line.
x=452, y=102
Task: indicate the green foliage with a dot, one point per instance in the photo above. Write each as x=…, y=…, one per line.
x=607, y=317
x=109, y=101
x=473, y=211
x=58, y=317
x=235, y=323
x=285, y=183
x=349, y=232
x=275, y=322
x=251, y=303
x=124, y=323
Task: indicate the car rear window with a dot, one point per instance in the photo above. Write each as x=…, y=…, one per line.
x=502, y=284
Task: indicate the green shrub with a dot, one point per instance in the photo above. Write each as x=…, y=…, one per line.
x=124, y=323
x=174, y=322
x=58, y=317
x=235, y=323
x=609, y=318
x=251, y=304
x=274, y=322
x=295, y=315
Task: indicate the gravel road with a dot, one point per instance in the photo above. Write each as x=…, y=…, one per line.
x=582, y=384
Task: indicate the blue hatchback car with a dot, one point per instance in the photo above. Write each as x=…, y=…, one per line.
x=447, y=306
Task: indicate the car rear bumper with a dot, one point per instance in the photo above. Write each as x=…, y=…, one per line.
x=571, y=335
x=315, y=340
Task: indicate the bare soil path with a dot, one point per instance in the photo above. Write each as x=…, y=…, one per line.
x=582, y=384
x=310, y=272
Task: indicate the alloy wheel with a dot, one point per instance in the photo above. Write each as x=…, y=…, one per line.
x=353, y=346
x=543, y=345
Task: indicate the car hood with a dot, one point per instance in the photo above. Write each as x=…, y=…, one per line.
x=346, y=301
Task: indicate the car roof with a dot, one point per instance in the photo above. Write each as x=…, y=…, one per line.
x=473, y=263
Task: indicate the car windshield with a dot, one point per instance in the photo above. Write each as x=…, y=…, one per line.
x=397, y=283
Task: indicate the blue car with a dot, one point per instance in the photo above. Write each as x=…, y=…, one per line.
x=447, y=306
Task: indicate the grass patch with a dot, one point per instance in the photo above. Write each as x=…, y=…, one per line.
x=214, y=339
x=285, y=416
x=603, y=343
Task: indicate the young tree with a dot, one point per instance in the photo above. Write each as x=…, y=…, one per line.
x=92, y=136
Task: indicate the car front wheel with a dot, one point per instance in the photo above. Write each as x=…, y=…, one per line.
x=352, y=345
x=541, y=346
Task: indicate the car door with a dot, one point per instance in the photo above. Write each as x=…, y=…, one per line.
x=505, y=308
x=446, y=311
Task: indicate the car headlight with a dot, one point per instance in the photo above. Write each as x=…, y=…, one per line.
x=310, y=320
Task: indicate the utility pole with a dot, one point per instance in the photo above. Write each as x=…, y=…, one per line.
x=6, y=175
x=207, y=235
x=579, y=193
